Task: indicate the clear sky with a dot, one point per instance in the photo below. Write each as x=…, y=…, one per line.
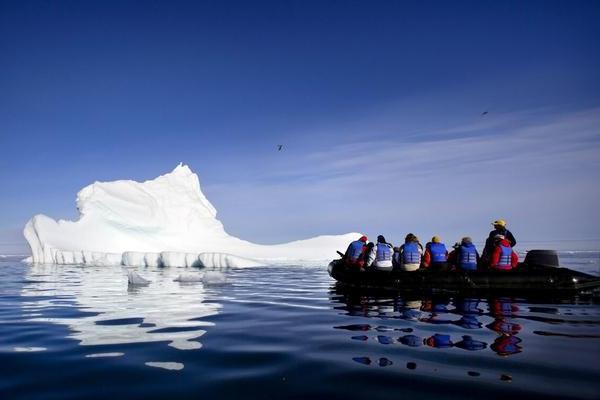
x=379, y=105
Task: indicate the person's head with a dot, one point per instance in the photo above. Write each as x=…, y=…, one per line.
x=370, y=245
x=456, y=245
x=498, y=238
x=380, y=239
x=436, y=239
x=363, y=239
x=410, y=238
x=466, y=240
x=499, y=224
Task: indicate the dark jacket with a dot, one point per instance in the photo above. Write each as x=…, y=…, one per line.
x=489, y=242
x=453, y=257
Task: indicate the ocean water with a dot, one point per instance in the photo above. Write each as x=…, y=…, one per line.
x=73, y=332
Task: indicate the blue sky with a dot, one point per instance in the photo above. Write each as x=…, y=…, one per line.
x=378, y=105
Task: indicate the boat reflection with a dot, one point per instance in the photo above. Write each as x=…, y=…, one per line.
x=100, y=308
x=493, y=317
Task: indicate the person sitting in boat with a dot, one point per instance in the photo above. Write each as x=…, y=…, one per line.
x=503, y=257
x=396, y=258
x=383, y=254
x=436, y=255
x=353, y=256
x=452, y=256
x=499, y=229
x=409, y=256
x=368, y=256
x=464, y=256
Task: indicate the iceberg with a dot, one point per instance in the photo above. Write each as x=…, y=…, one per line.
x=166, y=221
x=133, y=278
x=214, y=278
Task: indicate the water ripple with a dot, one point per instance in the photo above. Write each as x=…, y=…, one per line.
x=281, y=332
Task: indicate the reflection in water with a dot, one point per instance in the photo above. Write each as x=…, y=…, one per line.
x=411, y=340
x=439, y=341
x=468, y=343
x=174, y=366
x=99, y=306
x=468, y=309
x=462, y=312
x=504, y=310
x=382, y=362
x=275, y=338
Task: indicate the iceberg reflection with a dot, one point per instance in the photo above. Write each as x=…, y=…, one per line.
x=100, y=308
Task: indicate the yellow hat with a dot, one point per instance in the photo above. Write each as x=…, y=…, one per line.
x=436, y=239
x=500, y=222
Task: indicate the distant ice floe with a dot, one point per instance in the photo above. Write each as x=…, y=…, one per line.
x=12, y=257
x=167, y=222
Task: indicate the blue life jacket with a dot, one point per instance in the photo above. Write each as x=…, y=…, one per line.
x=410, y=253
x=467, y=257
x=355, y=250
x=438, y=252
x=384, y=252
x=505, y=257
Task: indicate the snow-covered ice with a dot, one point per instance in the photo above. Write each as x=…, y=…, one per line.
x=133, y=278
x=189, y=278
x=166, y=221
x=214, y=278
x=173, y=366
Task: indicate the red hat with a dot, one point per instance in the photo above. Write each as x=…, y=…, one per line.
x=363, y=239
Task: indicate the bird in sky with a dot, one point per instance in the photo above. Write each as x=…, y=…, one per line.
x=279, y=147
x=484, y=113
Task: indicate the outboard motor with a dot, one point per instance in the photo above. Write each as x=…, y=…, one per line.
x=543, y=258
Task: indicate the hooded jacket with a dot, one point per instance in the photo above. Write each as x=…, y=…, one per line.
x=498, y=261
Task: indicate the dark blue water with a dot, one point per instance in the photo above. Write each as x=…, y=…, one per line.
x=72, y=332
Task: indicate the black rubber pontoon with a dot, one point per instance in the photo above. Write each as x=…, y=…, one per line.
x=538, y=273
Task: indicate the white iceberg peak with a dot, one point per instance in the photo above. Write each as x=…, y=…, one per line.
x=182, y=168
x=165, y=215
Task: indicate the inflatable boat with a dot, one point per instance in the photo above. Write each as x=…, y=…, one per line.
x=538, y=273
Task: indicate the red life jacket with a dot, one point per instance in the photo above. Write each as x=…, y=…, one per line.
x=504, y=262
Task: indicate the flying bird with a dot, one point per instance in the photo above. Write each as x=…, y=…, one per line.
x=484, y=113
x=279, y=147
